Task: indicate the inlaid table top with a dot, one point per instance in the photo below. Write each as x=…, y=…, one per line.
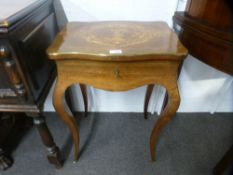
x=116, y=41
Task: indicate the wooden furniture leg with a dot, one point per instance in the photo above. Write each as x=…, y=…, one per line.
x=224, y=163
x=5, y=162
x=149, y=91
x=6, y=126
x=68, y=95
x=85, y=99
x=165, y=101
x=60, y=106
x=54, y=155
x=167, y=114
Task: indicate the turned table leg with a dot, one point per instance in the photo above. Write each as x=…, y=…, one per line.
x=60, y=106
x=5, y=162
x=167, y=115
x=54, y=155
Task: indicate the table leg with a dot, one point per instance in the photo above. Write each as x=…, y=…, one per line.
x=69, y=94
x=165, y=101
x=5, y=162
x=60, y=105
x=85, y=99
x=149, y=91
x=54, y=155
x=167, y=114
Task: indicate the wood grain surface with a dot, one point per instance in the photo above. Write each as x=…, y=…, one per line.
x=111, y=41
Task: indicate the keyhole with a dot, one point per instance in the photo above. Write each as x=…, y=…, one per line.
x=117, y=72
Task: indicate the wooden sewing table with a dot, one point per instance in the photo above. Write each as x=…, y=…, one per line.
x=117, y=56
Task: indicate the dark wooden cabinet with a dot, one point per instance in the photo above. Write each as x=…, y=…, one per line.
x=206, y=29
x=26, y=74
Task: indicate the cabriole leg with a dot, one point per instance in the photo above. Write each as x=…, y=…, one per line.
x=166, y=116
x=61, y=108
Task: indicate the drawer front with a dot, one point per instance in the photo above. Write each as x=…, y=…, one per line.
x=116, y=76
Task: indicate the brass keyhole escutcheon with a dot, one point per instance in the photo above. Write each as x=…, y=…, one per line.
x=117, y=72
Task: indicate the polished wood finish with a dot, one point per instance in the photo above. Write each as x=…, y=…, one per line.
x=206, y=29
x=202, y=10
x=26, y=74
x=100, y=40
x=117, y=56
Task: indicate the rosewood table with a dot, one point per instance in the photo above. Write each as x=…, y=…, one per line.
x=117, y=56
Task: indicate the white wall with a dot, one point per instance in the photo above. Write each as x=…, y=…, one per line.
x=202, y=88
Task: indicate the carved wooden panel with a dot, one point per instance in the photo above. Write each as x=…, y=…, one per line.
x=26, y=73
x=34, y=46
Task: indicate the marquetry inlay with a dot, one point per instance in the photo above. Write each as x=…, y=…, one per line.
x=117, y=34
x=96, y=39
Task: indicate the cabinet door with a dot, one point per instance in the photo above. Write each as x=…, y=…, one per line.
x=38, y=68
